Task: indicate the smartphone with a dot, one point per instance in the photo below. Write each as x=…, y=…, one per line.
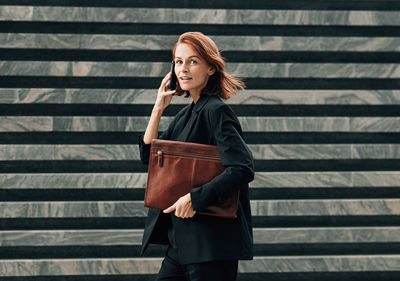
x=173, y=80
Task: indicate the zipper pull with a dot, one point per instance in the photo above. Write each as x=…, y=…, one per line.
x=160, y=158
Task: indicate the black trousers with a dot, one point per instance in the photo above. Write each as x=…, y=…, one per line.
x=172, y=270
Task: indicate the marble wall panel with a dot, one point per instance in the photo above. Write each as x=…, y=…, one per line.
x=148, y=96
x=376, y=151
x=355, y=263
x=128, y=42
x=375, y=124
x=133, y=237
x=120, y=69
x=71, y=267
x=26, y=152
x=32, y=40
x=384, y=179
x=128, y=237
x=314, y=70
x=25, y=124
x=282, y=208
x=273, y=264
x=36, y=68
x=78, y=96
x=224, y=43
x=16, y=13
x=326, y=235
x=302, y=179
x=73, y=180
x=254, y=124
x=326, y=207
x=247, y=43
x=156, y=69
x=105, y=124
x=69, y=152
x=295, y=124
x=97, y=152
x=317, y=97
x=260, y=152
x=209, y=16
x=75, y=209
x=326, y=179
x=261, y=180
x=326, y=151
x=300, y=151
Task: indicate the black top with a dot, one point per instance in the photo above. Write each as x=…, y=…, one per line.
x=206, y=238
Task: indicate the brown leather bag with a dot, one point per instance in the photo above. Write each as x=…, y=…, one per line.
x=175, y=168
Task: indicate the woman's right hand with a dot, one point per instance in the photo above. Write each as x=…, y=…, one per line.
x=164, y=96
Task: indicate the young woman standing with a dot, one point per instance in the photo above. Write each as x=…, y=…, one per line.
x=202, y=247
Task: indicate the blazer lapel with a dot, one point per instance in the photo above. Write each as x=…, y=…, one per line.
x=183, y=136
x=193, y=117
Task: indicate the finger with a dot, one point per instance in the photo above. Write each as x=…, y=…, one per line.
x=168, y=93
x=165, y=81
x=170, y=209
x=184, y=213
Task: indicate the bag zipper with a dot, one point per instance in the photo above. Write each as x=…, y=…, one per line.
x=160, y=155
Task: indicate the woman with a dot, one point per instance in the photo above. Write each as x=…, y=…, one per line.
x=202, y=247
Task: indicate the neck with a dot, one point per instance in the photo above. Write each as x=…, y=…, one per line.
x=195, y=96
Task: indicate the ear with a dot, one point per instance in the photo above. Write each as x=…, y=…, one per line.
x=211, y=70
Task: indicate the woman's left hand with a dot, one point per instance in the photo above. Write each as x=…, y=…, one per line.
x=183, y=207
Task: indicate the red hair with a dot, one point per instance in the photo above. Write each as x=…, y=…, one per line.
x=221, y=83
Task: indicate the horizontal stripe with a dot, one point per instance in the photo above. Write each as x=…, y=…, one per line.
x=260, y=152
x=153, y=82
x=128, y=166
x=322, y=264
x=242, y=110
x=362, y=179
x=114, y=223
x=130, y=237
x=326, y=179
x=210, y=16
x=249, y=137
x=77, y=223
x=103, y=42
x=96, y=251
x=106, y=209
x=254, y=124
x=210, y=29
x=113, y=266
x=114, y=193
x=73, y=180
x=256, y=193
x=225, y=4
x=244, y=70
x=123, y=166
x=145, y=97
x=325, y=207
x=62, y=55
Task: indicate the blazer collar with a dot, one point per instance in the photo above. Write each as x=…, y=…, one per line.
x=201, y=102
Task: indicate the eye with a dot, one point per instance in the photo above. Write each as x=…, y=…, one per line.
x=193, y=61
x=178, y=62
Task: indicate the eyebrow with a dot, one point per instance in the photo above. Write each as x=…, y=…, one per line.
x=188, y=57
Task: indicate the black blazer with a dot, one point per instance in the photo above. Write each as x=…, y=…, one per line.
x=206, y=238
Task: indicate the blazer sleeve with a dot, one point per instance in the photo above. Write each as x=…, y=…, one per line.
x=235, y=155
x=144, y=149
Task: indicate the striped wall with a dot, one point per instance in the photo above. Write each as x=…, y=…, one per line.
x=321, y=114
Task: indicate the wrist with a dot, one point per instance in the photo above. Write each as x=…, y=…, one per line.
x=157, y=111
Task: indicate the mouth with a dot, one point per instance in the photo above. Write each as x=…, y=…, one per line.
x=185, y=78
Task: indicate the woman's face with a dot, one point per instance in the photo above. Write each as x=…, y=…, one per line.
x=192, y=70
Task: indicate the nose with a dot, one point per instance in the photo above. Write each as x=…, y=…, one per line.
x=184, y=67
